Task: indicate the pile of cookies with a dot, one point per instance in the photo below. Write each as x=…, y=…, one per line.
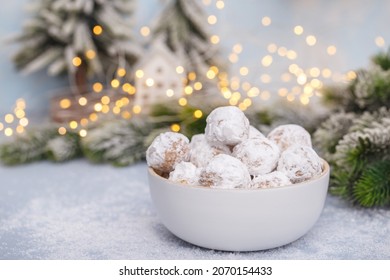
x=233, y=154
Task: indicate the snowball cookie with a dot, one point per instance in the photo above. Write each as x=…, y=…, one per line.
x=255, y=133
x=271, y=180
x=227, y=126
x=260, y=155
x=300, y=163
x=201, y=152
x=185, y=173
x=288, y=135
x=225, y=172
x=166, y=150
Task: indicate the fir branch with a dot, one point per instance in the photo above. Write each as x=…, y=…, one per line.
x=27, y=147
x=373, y=187
x=63, y=147
x=119, y=142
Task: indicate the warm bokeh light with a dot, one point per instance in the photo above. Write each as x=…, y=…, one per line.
x=62, y=130
x=139, y=73
x=83, y=101
x=331, y=50
x=97, y=87
x=311, y=40
x=266, y=21
x=212, y=19
x=214, y=39
x=145, y=31
x=90, y=54
x=198, y=114
x=175, y=127
x=97, y=30
x=76, y=61
x=298, y=30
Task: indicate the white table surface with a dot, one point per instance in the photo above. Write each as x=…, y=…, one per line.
x=77, y=210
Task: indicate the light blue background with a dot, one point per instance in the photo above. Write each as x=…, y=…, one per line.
x=350, y=25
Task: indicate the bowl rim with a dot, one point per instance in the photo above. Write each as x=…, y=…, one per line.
x=325, y=172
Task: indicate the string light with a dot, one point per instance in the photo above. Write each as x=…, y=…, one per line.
x=212, y=19
x=266, y=21
x=97, y=87
x=115, y=83
x=220, y=4
x=90, y=54
x=139, y=73
x=298, y=30
x=8, y=131
x=121, y=72
x=311, y=40
x=83, y=101
x=145, y=31
x=379, y=41
x=179, y=69
x=198, y=114
x=244, y=71
x=175, y=127
x=266, y=60
x=182, y=101
x=62, y=130
x=214, y=39
x=65, y=103
x=9, y=118
x=97, y=30
x=137, y=109
x=82, y=133
x=73, y=124
x=76, y=61
x=331, y=50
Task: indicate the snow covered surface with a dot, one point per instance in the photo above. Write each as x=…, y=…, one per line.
x=81, y=211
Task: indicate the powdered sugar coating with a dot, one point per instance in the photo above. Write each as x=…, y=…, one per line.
x=255, y=133
x=300, y=163
x=288, y=135
x=225, y=172
x=201, y=152
x=185, y=173
x=166, y=150
x=226, y=125
x=260, y=155
x=271, y=180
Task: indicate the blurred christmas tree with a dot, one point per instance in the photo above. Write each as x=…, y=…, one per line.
x=356, y=138
x=183, y=25
x=84, y=38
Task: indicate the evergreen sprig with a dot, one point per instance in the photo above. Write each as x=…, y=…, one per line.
x=27, y=147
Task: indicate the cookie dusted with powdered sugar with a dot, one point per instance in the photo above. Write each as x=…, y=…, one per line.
x=271, y=180
x=225, y=172
x=201, y=152
x=226, y=126
x=255, y=133
x=288, y=135
x=300, y=163
x=166, y=150
x=185, y=173
x=260, y=155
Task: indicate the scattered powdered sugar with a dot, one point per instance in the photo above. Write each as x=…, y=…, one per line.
x=81, y=211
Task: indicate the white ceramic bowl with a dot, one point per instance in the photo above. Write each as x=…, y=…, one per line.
x=239, y=219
